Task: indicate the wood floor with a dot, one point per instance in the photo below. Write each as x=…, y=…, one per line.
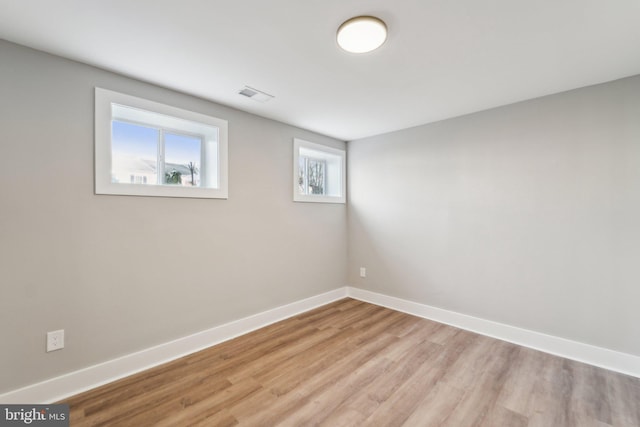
x=351, y=363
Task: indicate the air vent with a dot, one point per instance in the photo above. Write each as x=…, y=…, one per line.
x=255, y=94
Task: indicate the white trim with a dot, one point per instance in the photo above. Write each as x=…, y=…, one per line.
x=109, y=104
x=597, y=356
x=326, y=153
x=58, y=388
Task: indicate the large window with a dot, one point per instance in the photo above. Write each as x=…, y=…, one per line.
x=318, y=173
x=149, y=149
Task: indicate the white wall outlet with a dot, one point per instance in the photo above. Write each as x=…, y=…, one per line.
x=55, y=340
x=363, y=272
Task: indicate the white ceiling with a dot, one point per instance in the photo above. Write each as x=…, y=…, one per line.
x=442, y=59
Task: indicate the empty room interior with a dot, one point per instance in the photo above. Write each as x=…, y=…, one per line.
x=250, y=213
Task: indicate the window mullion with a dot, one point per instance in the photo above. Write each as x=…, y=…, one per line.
x=161, y=164
x=203, y=163
x=325, y=179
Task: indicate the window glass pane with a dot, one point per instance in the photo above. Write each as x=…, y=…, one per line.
x=134, y=153
x=316, y=172
x=182, y=159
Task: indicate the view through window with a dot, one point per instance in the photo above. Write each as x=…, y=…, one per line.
x=147, y=155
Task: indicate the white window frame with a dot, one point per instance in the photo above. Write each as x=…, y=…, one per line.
x=331, y=155
x=183, y=121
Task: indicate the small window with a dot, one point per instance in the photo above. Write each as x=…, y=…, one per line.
x=318, y=173
x=145, y=148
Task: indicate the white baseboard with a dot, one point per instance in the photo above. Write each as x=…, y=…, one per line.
x=58, y=388
x=613, y=360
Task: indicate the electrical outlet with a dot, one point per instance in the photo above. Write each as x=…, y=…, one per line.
x=363, y=272
x=55, y=340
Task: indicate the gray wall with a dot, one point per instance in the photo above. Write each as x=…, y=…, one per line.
x=122, y=273
x=527, y=214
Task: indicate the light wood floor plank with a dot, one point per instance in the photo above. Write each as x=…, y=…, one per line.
x=351, y=363
x=436, y=407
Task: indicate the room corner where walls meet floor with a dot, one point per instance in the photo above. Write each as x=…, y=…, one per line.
x=72, y=383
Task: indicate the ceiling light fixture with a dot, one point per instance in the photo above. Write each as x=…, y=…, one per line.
x=362, y=34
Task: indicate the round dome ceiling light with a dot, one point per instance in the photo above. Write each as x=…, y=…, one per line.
x=362, y=34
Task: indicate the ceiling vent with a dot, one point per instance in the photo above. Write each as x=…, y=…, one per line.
x=255, y=94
